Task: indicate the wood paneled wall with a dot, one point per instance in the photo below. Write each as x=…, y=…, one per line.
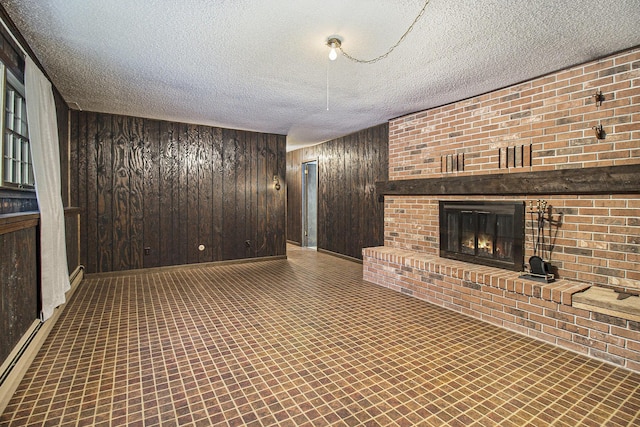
x=153, y=191
x=18, y=278
x=350, y=216
x=72, y=238
x=62, y=116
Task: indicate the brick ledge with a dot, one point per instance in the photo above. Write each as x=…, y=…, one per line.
x=560, y=291
x=608, y=302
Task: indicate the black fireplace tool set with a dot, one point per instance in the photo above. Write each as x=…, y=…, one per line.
x=539, y=269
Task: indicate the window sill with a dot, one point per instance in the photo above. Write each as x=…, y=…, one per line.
x=17, y=192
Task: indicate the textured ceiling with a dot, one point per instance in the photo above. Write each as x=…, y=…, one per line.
x=263, y=65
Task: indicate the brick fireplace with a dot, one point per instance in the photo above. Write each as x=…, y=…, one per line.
x=528, y=142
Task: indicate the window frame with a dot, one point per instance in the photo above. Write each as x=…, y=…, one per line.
x=8, y=135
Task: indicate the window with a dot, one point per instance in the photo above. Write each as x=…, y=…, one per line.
x=16, y=169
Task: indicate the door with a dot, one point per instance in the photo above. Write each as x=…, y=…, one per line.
x=310, y=204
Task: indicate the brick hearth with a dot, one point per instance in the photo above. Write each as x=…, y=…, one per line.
x=540, y=310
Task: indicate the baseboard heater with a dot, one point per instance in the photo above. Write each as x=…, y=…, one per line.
x=11, y=363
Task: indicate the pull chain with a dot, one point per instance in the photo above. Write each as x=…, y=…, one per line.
x=327, y=87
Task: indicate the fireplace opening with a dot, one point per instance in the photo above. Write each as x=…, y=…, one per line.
x=482, y=232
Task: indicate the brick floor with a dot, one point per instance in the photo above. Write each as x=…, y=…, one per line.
x=303, y=341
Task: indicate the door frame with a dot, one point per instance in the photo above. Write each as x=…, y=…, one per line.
x=305, y=201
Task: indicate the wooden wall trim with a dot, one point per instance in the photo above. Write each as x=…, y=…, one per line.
x=71, y=211
x=181, y=267
x=10, y=223
x=621, y=179
x=21, y=220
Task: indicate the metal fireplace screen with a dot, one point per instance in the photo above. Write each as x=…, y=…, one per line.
x=488, y=233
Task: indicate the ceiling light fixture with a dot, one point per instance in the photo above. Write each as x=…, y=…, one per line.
x=335, y=43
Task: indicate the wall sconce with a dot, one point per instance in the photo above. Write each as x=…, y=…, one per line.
x=599, y=131
x=276, y=182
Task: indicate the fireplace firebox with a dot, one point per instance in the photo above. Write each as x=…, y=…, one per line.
x=483, y=232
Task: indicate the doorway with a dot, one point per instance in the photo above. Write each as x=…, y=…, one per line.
x=310, y=204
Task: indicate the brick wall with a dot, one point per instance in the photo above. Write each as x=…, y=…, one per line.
x=553, y=115
x=543, y=124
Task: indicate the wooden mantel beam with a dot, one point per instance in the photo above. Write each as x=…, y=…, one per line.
x=624, y=179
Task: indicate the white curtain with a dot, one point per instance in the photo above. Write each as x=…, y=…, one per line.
x=43, y=134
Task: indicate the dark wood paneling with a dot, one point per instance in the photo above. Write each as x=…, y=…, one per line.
x=272, y=195
x=151, y=207
x=19, y=290
x=241, y=208
x=92, y=166
x=19, y=294
x=74, y=128
x=281, y=195
x=193, y=194
x=121, y=195
x=72, y=238
x=325, y=167
x=104, y=190
x=354, y=148
x=205, y=193
x=165, y=230
x=80, y=148
x=181, y=192
x=339, y=207
x=229, y=207
x=176, y=154
x=251, y=144
x=350, y=216
x=62, y=117
x=137, y=191
x=217, y=160
x=331, y=212
x=378, y=158
x=263, y=187
x=170, y=187
x=595, y=180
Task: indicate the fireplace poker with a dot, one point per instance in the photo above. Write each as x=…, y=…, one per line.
x=543, y=208
x=535, y=247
